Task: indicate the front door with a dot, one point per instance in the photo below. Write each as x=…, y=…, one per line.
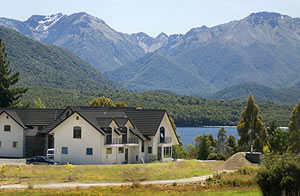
x=159, y=153
x=126, y=155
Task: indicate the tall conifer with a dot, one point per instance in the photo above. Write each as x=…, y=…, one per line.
x=9, y=97
x=251, y=128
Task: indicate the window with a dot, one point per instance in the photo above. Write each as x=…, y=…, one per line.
x=77, y=132
x=15, y=144
x=89, y=151
x=167, y=152
x=149, y=149
x=108, y=150
x=108, y=139
x=162, y=135
x=121, y=150
x=64, y=150
x=143, y=146
x=7, y=128
x=77, y=117
x=7, y=117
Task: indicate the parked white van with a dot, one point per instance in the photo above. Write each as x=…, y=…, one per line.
x=50, y=153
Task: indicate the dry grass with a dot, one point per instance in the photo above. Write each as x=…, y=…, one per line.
x=34, y=174
x=191, y=189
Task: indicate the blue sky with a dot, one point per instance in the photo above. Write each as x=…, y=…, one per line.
x=152, y=16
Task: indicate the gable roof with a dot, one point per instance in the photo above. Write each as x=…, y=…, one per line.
x=147, y=121
x=14, y=116
x=33, y=117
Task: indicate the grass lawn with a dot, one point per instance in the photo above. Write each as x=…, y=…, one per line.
x=137, y=190
x=34, y=174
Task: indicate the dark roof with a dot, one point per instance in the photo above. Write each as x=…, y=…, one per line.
x=14, y=116
x=32, y=117
x=147, y=121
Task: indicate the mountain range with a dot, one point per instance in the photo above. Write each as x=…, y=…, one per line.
x=263, y=48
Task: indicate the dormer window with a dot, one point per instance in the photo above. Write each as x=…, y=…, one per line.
x=77, y=132
x=7, y=128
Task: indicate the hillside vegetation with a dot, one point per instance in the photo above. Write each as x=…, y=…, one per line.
x=186, y=110
x=240, y=92
x=43, y=65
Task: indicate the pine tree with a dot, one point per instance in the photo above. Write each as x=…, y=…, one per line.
x=251, y=128
x=294, y=130
x=9, y=97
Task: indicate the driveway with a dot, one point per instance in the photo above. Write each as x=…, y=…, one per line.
x=12, y=161
x=86, y=185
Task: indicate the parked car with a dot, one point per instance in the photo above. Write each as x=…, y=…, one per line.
x=50, y=153
x=40, y=160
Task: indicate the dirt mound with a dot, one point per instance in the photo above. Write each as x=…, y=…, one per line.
x=236, y=161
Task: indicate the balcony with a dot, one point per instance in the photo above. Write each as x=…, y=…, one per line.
x=116, y=141
x=165, y=140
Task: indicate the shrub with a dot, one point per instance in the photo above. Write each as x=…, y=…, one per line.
x=216, y=156
x=280, y=175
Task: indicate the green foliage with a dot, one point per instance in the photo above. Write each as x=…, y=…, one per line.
x=216, y=156
x=221, y=140
x=121, y=104
x=185, y=110
x=38, y=103
x=49, y=66
x=278, y=140
x=261, y=93
x=231, y=146
x=294, y=130
x=102, y=102
x=280, y=175
x=9, y=97
x=251, y=128
x=203, y=148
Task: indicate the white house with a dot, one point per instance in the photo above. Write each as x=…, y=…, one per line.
x=95, y=135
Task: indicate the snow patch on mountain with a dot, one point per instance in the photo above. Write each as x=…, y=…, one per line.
x=48, y=22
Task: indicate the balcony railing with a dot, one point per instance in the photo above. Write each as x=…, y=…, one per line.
x=121, y=141
x=165, y=140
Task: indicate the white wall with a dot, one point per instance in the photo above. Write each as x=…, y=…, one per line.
x=90, y=138
x=7, y=138
x=168, y=133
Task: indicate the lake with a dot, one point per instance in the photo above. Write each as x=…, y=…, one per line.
x=189, y=133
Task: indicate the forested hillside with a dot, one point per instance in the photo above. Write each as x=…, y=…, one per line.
x=186, y=110
x=240, y=92
x=43, y=65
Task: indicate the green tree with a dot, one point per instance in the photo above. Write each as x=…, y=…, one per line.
x=221, y=140
x=278, y=140
x=203, y=151
x=279, y=175
x=102, y=102
x=9, y=97
x=38, y=103
x=294, y=130
x=121, y=104
x=191, y=151
x=231, y=146
x=251, y=128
